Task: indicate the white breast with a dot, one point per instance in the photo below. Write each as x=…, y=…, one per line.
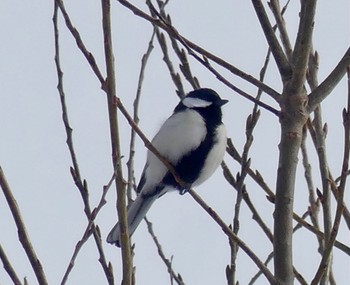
x=180, y=134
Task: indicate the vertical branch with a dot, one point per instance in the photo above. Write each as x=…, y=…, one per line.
x=340, y=206
x=181, y=54
x=320, y=139
x=22, y=232
x=110, y=88
x=81, y=184
x=80, y=44
x=313, y=202
x=276, y=49
x=276, y=10
x=130, y=162
x=293, y=117
x=239, y=185
x=175, y=76
x=303, y=44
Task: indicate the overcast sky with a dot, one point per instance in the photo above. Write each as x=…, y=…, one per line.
x=35, y=159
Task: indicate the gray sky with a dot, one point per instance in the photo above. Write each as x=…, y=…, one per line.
x=36, y=161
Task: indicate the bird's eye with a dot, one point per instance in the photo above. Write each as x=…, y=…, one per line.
x=191, y=102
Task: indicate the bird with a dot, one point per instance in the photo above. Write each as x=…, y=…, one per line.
x=193, y=139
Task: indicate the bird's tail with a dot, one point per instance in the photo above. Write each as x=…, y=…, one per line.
x=136, y=213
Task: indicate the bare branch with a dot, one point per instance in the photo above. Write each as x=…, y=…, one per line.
x=181, y=54
x=345, y=167
x=298, y=276
x=320, y=144
x=22, y=232
x=277, y=51
x=166, y=58
x=130, y=162
x=110, y=89
x=173, y=33
x=256, y=176
x=81, y=184
x=314, y=203
x=239, y=183
x=90, y=229
x=167, y=262
x=88, y=55
x=327, y=86
x=303, y=45
x=278, y=14
x=346, y=213
x=233, y=237
x=256, y=101
x=8, y=267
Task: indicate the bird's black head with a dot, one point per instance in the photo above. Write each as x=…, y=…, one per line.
x=206, y=102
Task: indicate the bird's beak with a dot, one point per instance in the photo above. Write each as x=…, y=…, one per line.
x=222, y=102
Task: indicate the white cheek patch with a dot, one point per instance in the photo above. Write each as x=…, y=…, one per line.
x=191, y=102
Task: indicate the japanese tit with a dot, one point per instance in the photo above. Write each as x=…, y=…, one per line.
x=193, y=139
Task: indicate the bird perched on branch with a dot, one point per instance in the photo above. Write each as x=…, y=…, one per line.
x=193, y=140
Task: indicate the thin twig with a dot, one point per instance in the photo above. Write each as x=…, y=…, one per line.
x=22, y=232
x=181, y=54
x=81, y=184
x=320, y=140
x=130, y=162
x=175, y=76
x=267, y=107
x=205, y=62
x=346, y=212
x=255, y=214
x=345, y=167
x=269, y=276
x=240, y=178
x=167, y=262
x=88, y=55
x=314, y=203
x=277, y=51
x=89, y=230
x=326, y=87
x=8, y=267
x=258, y=274
x=278, y=14
x=257, y=177
x=173, y=33
x=299, y=277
